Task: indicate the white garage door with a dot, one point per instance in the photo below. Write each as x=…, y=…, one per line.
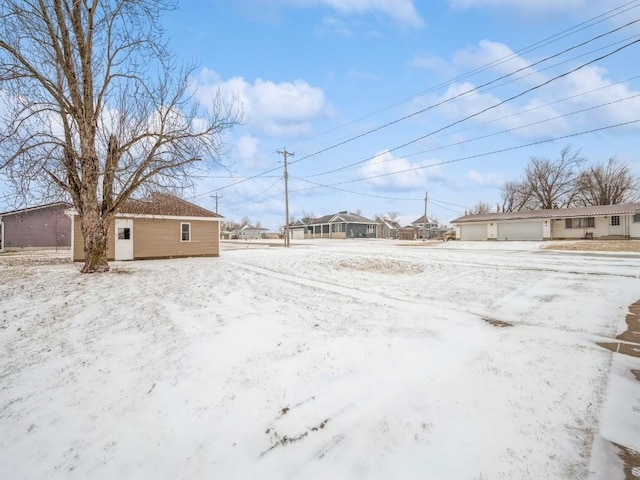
x=473, y=231
x=528, y=230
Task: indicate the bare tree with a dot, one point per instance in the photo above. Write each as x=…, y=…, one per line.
x=244, y=221
x=95, y=107
x=481, y=208
x=516, y=196
x=393, y=215
x=306, y=216
x=552, y=184
x=607, y=184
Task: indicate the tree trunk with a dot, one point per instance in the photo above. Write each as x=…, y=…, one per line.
x=95, y=231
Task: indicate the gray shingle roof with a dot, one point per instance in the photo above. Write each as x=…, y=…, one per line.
x=600, y=210
x=165, y=204
x=340, y=217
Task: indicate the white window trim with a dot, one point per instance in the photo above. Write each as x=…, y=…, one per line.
x=185, y=223
x=579, y=222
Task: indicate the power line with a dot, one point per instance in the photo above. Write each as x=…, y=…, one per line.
x=593, y=21
x=462, y=94
x=335, y=186
x=466, y=142
x=248, y=201
x=537, y=107
x=494, y=152
x=530, y=48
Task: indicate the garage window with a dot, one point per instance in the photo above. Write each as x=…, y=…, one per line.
x=185, y=232
x=588, y=222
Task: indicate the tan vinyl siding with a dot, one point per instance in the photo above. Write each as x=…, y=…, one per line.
x=158, y=238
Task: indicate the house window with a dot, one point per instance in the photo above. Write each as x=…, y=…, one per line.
x=588, y=222
x=615, y=220
x=636, y=218
x=124, y=233
x=185, y=232
x=371, y=229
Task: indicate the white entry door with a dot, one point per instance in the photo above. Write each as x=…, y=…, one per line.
x=124, y=239
x=615, y=225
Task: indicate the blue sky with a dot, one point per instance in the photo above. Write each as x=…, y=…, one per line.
x=360, y=90
x=315, y=76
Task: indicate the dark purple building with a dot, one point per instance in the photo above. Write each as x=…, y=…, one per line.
x=44, y=226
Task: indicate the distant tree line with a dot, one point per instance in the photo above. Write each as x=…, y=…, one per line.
x=567, y=181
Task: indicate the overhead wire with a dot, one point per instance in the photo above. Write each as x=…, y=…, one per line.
x=541, y=43
x=482, y=137
x=469, y=91
x=335, y=186
x=548, y=40
x=528, y=49
x=493, y=152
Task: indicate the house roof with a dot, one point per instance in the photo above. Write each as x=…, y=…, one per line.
x=346, y=217
x=388, y=222
x=594, y=211
x=29, y=209
x=420, y=220
x=165, y=204
x=340, y=217
x=251, y=227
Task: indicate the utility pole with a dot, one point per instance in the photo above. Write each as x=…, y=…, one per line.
x=216, y=196
x=286, y=154
x=426, y=199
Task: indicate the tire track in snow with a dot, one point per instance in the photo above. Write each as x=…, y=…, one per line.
x=470, y=318
x=406, y=305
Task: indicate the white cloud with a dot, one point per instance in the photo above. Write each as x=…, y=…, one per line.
x=508, y=116
x=280, y=109
x=432, y=62
x=485, y=179
x=401, y=11
x=545, y=112
x=592, y=78
x=335, y=27
x=245, y=151
x=384, y=167
x=501, y=58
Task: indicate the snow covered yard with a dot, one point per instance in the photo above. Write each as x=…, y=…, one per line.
x=332, y=359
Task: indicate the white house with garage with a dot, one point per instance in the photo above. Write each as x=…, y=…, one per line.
x=601, y=222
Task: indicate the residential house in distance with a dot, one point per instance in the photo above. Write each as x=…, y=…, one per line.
x=388, y=228
x=602, y=222
x=249, y=232
x=338, y=225
x=428, y=229
x=41, y=227
x=159, y=226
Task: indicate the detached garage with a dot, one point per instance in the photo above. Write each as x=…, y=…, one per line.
x=160, y=226
x=612, y=222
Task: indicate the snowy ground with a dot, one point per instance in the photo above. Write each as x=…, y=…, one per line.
x=332, y=359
